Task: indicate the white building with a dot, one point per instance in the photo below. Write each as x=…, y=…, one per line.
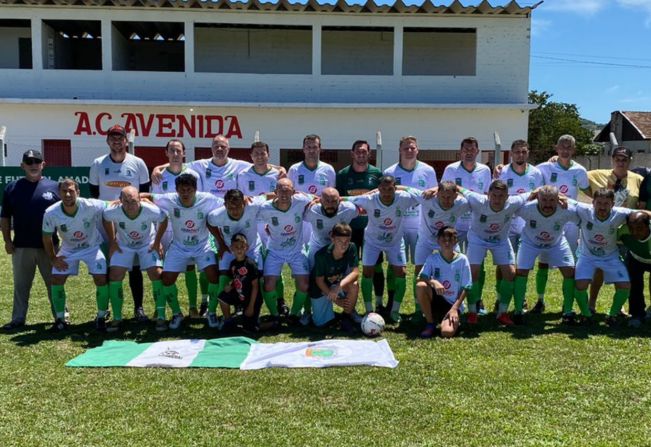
x=192, y=69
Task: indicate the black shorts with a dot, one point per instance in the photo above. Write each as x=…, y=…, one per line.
x=232, y=298
x=440, y=306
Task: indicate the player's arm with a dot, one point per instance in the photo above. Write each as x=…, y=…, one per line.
x=58, y=262
x=157, y=173
x=110, y=237
x=5, y=224
x=160, y=231
x=350, y=278
x=453, y=313
x=325, y=290
x=223, y=248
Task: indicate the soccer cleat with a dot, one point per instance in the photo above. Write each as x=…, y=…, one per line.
x=293, y=320
x=611, y=321
x=481, y=310
x=251, y=325
x=228, y=325
x=176, y=321
x=395, y=317
x=518, y=319
x=100, y=324
x=193, y=312
x=525, y=307
x=203, y=309
x=357, y=318
x=12, y=325
x=538, y=308
x=213, y=321
x=635, y=323
x=305, y=319
x=428, y=332
x=380, y=309
x=347, y=325
x=161, y=325
x=140, y=315
x=283, y=309
x=569, y=319
x=114, y=326
x=585, y=321
x=472, y=318
x=66, y=316
x=59, y=325
x=418, y=318
x=504, y=319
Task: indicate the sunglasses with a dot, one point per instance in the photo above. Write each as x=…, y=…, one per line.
x=32, y=161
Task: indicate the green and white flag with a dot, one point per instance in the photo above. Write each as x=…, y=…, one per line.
x=237, y=352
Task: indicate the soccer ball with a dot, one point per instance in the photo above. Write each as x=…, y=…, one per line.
x=372, y=324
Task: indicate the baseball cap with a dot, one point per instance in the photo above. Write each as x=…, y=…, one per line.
x=32, y=154
x=621, y=150
x=117, y=129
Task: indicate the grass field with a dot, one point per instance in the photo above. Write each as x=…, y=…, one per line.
x=542, y=384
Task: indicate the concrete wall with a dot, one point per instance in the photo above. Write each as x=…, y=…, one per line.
x=440, y=53
x=9, y=45
x=356, y=52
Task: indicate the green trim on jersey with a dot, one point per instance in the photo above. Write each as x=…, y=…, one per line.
x=76, y=209
x=464, y=168
x=315, y=168
x=127, y=216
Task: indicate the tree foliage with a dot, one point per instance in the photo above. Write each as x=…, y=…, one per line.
x=551, y=120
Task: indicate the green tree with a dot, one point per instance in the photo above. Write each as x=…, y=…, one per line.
x=549, y=121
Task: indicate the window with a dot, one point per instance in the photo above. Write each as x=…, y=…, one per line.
x=439, y=52
x=15, y=44
x=56, y=153
x=72, y=45
x=356, y=51
x=148, y=46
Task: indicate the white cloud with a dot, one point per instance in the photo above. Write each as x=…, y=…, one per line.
x=539, y=26
x=639, y=5
x=612, y=89
x=578, y=6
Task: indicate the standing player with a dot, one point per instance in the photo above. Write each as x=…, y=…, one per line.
x=76, y=220
x=443, y=284
x=175, y=152
x=25, y=201
x=384, y=233
x=542, y=235
x=108, y=175
x=415, y=174
x=132, y=236
x=187, y=211
x=636, y=237
x=569, y=177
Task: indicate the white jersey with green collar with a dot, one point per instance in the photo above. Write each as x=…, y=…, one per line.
x=322, y=225
x=422, y=177
x=433, y=217
x=312, y=181
x=568, y=180
x=531, y=179
x=385, y=222
x=111, y=177
x=78, y=231
x=491, y=226
x=599, y=237
x=167, y=185
x=137, y=232
x=544, y=231
x=477, y=180
x=216, y=180
x=188, y=223
x=246, y=224
x=285, y=227
x=454, y=275
x=253, y=184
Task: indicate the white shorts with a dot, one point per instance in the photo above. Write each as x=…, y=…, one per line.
x=560, y=255
x=93, y=257
x=253, y=253
x=613, y=268
x=395, y=254
x=411, y=239
x=143, y=257
x=502, y=252
x=297, y=261
x=307, y=233
x=514, y=238
x=424, y=247
x=571, y=232
x=177, y=259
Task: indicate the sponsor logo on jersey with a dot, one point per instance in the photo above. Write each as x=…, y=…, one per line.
x=446, y=284
x=564, y=189
x=189, y=224
x=388, y=221
x=494, y=228
x=219, y=184
x=545, y=236
x=47, y=195
x=440, y=224
x=599, y=238
x=520, y=190
x=78, y=234
x=312, y=189
x=117, y=184
x=135, y=235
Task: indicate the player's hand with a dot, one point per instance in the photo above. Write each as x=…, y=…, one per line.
x=430, y=193
x=498, y=170
x=60, y=264
x=563, y=202
x=282, y=172
x=438, y=287
x=314, y=201
x=114, y=247
x=158, y=248
x=453, y=316
x=157, y=175
x=248, y=200
x=553, y=159
x=9, y=247
x=222, y=249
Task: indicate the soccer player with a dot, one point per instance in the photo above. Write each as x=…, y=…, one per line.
x=443, y=284
x=491, y=217
x=569, y=177
x=334, y=279
x=355, y=179
x=384, y=234
x=598, y=249
x=323, y=217
x=76, y=220
x=24, y=202
x=235, y=217
x=242, y=288
x=542, y=235
x=107, y=176
x=636, y=237
x=418, y=175
x=285, y=217
x=175, y=152
x=187, y=211
x=132, y=236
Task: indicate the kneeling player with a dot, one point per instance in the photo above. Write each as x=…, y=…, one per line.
x=242, y=286
x=334, y=279
x=444, y=281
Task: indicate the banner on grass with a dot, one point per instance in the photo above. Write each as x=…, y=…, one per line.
x=237, y=352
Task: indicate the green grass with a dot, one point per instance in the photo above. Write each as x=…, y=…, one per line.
x=542, y=384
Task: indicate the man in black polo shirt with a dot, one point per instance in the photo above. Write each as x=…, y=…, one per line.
x=636, y=236
x=25, y=201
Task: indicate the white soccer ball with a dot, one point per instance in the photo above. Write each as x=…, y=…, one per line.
x=372, y=324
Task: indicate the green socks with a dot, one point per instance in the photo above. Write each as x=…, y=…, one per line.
x=271, y=300
x=519, y=292
x=203, y=283
x=298, y=303
x=171, y=294
x=59, y=301
x=473, y=297
x=116, y=297
x=506, y=292
x=391, y=280
x=214, y=290
x=568, y=295
x=621, y=296
x=367, y=293
x=541, y=282
x=191, y=286
x=582, y=300
x=401, y=288
x=102, y=298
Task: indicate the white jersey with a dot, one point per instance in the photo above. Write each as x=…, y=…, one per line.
x=216, y=180
x=285, y=227
x=433, y=217
x=322, y=225
x=477, y=180
x=78, y=231
x=167, y=185
x=137, y=232
x=253, y=184
x=385, y=222
x=520, y=183
x=599, y=237
x=188, y=223
x=568, y=181
x=312, y=181
x=246, y=224
x=453, y=275
x=544, y=231
x=422, y=177
x=111, y=177
x=488, y=225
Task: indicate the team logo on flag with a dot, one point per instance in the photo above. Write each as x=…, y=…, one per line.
x=319, y=224
x=274, y=221
x=301, y=179
x=483, y=218
x=554, y=177
x=376, y=213
x=251, y=185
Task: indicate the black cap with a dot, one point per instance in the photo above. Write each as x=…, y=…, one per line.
x=621, y=150
x=32, y=154
x=117, y=130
